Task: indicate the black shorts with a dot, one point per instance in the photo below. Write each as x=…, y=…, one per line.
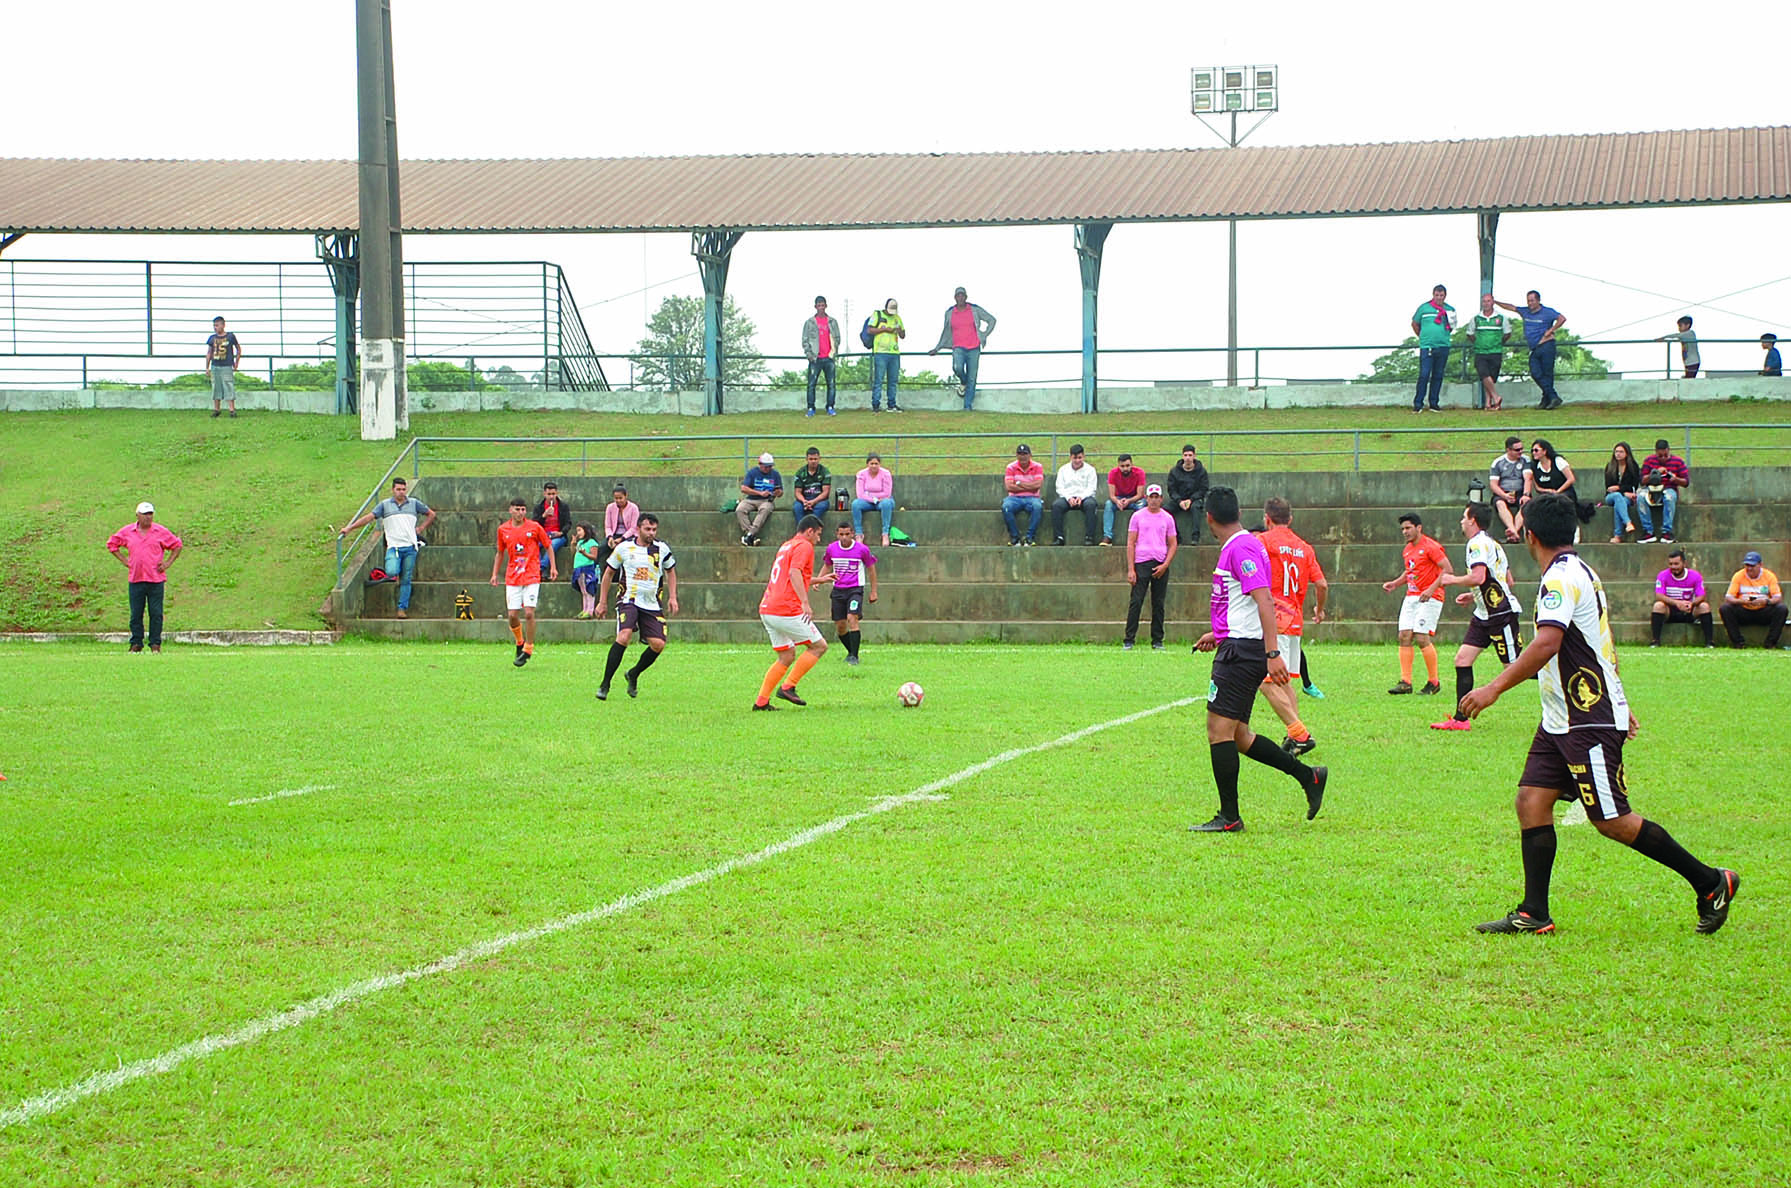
x=649, y=624
x=1675, y=615
x=1582, y=765
x=1502, y=633
x=1487, y=366
x=849, y=601
x=1239, y=667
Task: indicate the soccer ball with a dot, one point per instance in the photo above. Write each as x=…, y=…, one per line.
x=910, y=694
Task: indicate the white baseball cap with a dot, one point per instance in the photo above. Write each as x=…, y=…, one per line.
x=146, y=507
x=1153, y=489
x=767, y=459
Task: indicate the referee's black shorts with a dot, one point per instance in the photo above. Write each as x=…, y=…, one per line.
x=1239, y=667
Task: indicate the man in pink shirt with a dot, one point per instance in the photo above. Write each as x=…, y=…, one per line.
x=147, y=551
x=966, y=332
x=1150, y=547
x=822, y=343
x=1024, y=480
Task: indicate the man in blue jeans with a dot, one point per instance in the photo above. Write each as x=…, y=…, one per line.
x=966, y=332
x=1540, y=324
x=1025, y=483
x=1433, y=324
x=403, y=520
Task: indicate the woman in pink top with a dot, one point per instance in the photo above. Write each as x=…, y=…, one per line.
x=876, y=488
x=620, y=518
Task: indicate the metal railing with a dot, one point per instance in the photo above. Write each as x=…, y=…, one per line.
x=1355, y=450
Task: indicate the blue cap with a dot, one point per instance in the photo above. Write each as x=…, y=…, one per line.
x=1752, y=558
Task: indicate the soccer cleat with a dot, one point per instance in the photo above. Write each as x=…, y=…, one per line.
x=1452, y=724
x=1400, y=688
x=1303, y=746
x=1313, y=691
x=634, y=684
x=519, y=651
x=1713, y=909
x=1219, y=824
x=766, y=706
x=1517, y=920
x=788, y=693
x=1315, y=794
x=602, y=692
x=1429, y=688
x=852, y=661
x=522, y=658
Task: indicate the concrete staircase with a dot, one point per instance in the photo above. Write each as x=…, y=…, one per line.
x=964, y=583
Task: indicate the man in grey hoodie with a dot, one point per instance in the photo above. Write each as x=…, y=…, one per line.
x=966, y=331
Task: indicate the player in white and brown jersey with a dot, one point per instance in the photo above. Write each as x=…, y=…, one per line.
x=1496, y=609
x=1577, y=753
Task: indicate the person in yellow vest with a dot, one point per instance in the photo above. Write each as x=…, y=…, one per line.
x=1754, y=597
x=886, y=355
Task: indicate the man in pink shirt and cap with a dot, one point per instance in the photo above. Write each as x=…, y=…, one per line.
x=145, y=549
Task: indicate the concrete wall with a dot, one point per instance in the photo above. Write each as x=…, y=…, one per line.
x=1003, y=400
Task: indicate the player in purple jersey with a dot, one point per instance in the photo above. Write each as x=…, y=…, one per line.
x=847, y=565
x=1244, y=639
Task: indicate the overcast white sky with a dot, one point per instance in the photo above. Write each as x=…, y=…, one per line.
x=557, y=78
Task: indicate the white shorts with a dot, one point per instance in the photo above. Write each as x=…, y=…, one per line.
x=517, y=597
x=786, y=631
x=1420, y=615
x=1290, y=655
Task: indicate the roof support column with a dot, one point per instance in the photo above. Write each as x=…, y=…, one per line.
x=1488, y=227
x=341, y=259
x=1090, y=239
x=713, y=251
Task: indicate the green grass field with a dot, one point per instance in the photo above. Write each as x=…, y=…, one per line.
x=257, y=499
x=1032, y=975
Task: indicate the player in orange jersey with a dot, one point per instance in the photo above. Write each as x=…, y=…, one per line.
x=1425, y=564
x=1293, y=567
x=520, y=545
x=785, y=612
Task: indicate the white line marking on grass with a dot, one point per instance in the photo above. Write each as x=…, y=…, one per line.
x=56, y=1100
x=283, y=794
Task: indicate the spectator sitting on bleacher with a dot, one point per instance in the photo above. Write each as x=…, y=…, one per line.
x=1075, y=488
x=1664, y=475
x=621, y=516
x=1507, y=478
x=1024, y=480
x=1125, y=490
x=1621, y=479
x=1679, y=597
x=1754, y=598
x=875, y=489
x=553, y=514
x=1184, y=488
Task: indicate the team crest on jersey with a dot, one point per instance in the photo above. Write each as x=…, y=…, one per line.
x=1551, y=598
x=1495, y=596
x=1212, y=691
x=1585, y=689
x=1249, y=567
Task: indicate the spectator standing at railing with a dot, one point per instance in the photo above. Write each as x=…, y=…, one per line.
x=1540, y=324
x=403, y=520
x=1185, y=489
x=875, y=488
x=223, y=355
x=886, y=354
x=966, y=332
x=1688, y=347
x=1433, y=323
x=822, y=343
x=1772, y=366
x=1490, y=336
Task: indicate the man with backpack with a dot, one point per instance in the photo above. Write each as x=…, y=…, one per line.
x=882, y=334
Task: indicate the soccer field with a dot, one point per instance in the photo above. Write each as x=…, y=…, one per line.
x=404, y=914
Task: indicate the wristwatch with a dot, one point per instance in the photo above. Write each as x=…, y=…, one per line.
x=1271, y=655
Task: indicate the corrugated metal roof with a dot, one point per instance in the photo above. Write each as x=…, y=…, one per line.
x=787, y=192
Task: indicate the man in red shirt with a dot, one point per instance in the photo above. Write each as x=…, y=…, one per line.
x=147, y=550
x=1293, y=568
x=520, y=543
x=785, y=612
x=1425, y=564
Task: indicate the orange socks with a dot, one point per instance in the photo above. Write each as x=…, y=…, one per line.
x=1405, y=662
x=1430, y=661
x=800, y=669
x=773, y=675
x=1298, y=731
x=516, y=630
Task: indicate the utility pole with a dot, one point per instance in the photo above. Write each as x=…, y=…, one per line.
x=384, y=408
x=1231, y=91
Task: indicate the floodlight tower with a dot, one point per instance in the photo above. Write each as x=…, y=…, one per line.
x=1233, y=91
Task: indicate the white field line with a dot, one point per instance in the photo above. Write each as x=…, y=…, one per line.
x=95, y=1084
x=283, y=794
x=1575, y=814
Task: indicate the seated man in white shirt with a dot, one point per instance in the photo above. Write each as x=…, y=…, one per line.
x=1076, y=484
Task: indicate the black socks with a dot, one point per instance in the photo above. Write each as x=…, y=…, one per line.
x=648, y=655
x=1538, y=845
x=1270, y=754
x=1656, y=843
x=1225, y=776
x=1464, y=684
x=1708, y=623
x=850, y=639
x=614, y=661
